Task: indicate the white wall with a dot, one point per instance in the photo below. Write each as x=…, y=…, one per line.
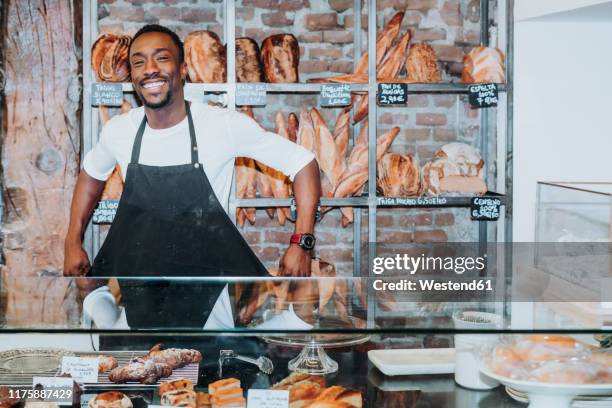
x=562, y=109
x=525, y=9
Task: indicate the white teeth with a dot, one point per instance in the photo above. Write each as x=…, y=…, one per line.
x=153, y=84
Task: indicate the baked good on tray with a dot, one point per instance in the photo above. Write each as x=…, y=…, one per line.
x=179, y=398
x=105, y=364
x=173, y=357
x=110, y=399
x=176, y=385
x=140, y=370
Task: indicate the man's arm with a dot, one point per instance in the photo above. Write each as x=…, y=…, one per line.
x=87, y=193
x=307, y=191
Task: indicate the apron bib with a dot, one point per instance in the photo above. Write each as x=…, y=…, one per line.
x=169, y=223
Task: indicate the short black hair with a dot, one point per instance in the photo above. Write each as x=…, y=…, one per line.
x=156, y=28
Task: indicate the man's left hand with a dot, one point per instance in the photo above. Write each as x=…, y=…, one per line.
x=295, y=262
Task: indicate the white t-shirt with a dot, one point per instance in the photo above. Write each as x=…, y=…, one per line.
x=222, y=135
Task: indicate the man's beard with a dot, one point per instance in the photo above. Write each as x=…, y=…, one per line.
x=158, y=105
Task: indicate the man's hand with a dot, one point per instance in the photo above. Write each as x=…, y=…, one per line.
x=295, y=262
x=76, y=261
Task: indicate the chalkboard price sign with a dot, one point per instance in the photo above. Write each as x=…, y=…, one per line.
x=483, y=95
x=485, y=208
x=106, y=94
x=251, y=94
x=105, y=212
x=335, y=95
x=392, y=94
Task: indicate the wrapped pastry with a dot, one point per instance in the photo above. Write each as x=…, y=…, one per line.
x=422, y=64
x=280, y=54
x=205, y=57
x=109, y=58
x=398, y=176
x=248, y=61
x=111, y=399
x=484, y=65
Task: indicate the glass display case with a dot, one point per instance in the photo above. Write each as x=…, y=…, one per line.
x=319, y=330
x=574, y=212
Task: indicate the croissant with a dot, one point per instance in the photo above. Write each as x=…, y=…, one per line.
x=109, y=58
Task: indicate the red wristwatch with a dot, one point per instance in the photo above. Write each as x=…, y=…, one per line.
x=305, y=241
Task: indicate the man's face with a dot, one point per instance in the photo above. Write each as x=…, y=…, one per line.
x=157, y=75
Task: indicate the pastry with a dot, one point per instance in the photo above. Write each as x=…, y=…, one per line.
x=236, y=402
x=179, y=398
x=176, y=385
x=173, y=357
x=222, y=385
x=203, y=400
x=140, y=370
x=111, y=399
x=105, y=363
x=294, y=378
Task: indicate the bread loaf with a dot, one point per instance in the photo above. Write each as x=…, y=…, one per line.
x=249, y=67
x=109, y=58
x=483, y=65
x=398, y=176
x=205, y=57
x=422, y=64
x=280, y=54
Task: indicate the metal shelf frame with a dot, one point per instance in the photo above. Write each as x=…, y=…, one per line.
x=370, y=200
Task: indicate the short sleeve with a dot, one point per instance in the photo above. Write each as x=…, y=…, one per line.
x=251, y=140
x=99, y=162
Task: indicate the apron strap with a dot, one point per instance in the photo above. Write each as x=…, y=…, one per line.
x=140, y=133
x=192, y=136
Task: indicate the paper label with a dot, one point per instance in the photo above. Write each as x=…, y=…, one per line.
x=268, y=399
x=83, y=370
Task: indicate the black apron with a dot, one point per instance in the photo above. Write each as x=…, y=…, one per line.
x=169, y=223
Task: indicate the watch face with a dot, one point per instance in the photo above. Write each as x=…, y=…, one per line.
x=308, y=242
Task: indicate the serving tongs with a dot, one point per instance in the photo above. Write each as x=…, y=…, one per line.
x=263, y=363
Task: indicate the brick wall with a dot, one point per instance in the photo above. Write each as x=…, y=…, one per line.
x=324, y=31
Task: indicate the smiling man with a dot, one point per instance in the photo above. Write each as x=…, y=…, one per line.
x=177, y=159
